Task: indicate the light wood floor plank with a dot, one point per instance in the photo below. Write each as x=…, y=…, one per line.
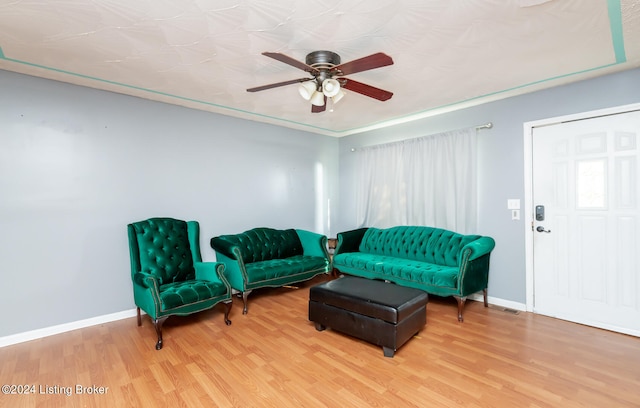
x=274, y=357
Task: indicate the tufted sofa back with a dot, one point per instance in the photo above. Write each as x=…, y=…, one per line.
x=418, y=243
x=164, y=249
x=260, y=244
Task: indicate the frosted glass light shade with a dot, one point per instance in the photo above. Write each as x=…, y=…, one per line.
x=336, y=98
x=330, y=87
x=307, y=89
x=317, y=99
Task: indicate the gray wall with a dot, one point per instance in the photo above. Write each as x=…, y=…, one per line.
x=501, y=162
x=77, y=165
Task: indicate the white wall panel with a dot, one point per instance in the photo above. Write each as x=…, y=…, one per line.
x=625, y=261
x=592, y=269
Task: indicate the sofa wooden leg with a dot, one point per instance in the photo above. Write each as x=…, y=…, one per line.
x=245, y=295
x=227, y=309
x=461, y=301
x=139, y=318
x=158, y=324
x=484, y=294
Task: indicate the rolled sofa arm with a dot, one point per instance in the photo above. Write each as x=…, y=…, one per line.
x=313, y=244
x=349, y=241
x=474, y=267
x=479, y=247
x=224, y=247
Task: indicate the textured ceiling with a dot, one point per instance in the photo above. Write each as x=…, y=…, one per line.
x=448, y=54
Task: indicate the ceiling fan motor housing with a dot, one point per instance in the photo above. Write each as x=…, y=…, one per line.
x=322, y=61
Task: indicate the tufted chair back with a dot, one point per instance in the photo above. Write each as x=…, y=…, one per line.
x=418, y=243
x=261, y=244
x=164, y=249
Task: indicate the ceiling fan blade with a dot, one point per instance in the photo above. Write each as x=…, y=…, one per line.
x=363, y=64
x=367, y=90
x=277, y=84
x=291, y=61
x=318, y=109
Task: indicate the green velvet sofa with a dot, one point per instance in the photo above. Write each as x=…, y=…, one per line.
x=267, y=257
x=438, y=261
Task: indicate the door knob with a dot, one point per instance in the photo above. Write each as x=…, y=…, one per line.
x=541, y=229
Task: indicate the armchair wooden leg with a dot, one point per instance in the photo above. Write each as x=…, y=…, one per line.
x=158, y=324
x=139, y=318
x=227, y=309
x=484, y=294
x=461, y=301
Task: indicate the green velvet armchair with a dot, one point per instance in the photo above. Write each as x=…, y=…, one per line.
x=169, y=277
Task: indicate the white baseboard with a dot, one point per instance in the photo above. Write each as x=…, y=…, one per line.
x=61, y=328
x=510, y=304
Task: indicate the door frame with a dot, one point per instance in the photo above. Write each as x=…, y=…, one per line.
x=528, y=182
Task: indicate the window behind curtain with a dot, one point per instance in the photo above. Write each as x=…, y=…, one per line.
x=430, y=181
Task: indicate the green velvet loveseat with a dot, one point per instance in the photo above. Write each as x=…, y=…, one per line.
x=438, y=261
x=267, y=257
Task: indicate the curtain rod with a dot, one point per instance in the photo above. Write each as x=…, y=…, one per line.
x=487, y=125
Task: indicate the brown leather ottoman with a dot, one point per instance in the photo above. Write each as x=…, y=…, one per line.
x=380, y=313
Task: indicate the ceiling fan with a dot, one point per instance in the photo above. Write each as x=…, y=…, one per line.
x=328, y=77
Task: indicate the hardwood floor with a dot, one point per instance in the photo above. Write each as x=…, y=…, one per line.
x=273, y=356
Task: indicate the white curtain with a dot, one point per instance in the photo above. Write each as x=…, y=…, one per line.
x=430, y=181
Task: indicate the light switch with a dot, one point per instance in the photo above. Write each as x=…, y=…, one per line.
x=513, y=204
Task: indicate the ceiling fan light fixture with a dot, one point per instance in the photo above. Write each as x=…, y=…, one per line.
x=317, y=99
x=330, y=87
x=323, y=90
x=339, y=95
x=307, y=89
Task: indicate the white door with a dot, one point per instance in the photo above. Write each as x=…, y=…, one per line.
x=586, y=221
